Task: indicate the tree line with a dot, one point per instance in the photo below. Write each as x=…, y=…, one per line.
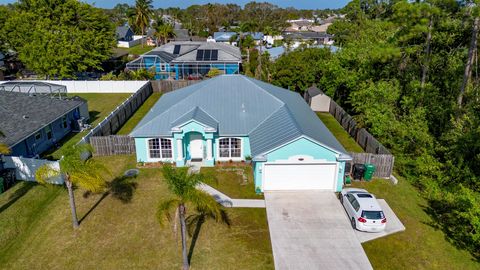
x=408, y=72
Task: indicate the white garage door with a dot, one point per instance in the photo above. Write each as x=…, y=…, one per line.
x=299, y=176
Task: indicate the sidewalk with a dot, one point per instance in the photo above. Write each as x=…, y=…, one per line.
x=229, y=202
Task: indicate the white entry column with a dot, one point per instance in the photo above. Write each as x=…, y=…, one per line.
x=179, y=149
x=209, y=149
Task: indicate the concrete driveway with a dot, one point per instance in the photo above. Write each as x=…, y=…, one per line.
x=309, y=230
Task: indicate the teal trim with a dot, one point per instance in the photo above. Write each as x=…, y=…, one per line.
x=141, y=149
x=302, y=146
x=341, y=175
x=246, y=147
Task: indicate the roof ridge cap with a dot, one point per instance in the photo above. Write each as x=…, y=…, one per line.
x=250, y=80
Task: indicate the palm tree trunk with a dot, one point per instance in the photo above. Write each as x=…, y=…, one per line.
x=71, y=196
x=142, y=36
x=427, y=54
x=468, y=67
x=183, y=226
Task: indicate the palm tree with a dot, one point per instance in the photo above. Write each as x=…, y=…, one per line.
x=164, y=32
x=143, y=12
x=183, y=186
x=4, y=150
x=76, y=170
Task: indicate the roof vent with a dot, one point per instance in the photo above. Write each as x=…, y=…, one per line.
x=25, y=117
x=243, y=107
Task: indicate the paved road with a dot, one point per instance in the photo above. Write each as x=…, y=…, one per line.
x=309, y=230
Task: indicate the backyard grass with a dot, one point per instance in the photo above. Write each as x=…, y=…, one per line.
x=36, y=231
x=137, y=50
x=342, y=136
x=139, y=114
x=99, y=106
x=229, y=180
x=420, y=246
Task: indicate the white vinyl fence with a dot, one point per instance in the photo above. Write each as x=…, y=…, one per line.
x=26, y=168
x=98, y=86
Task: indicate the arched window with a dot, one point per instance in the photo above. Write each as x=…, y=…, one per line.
x=160, y=148
x=230, y=147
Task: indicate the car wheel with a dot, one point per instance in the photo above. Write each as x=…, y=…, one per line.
x=354, y=225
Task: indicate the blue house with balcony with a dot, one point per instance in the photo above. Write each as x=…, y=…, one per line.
x=237, y=118
x=189, y=60
x=32, y=123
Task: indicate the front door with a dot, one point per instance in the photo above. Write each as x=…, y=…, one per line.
x=196, y=146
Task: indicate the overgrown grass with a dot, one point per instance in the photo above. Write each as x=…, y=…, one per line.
x=137, y=50
x=342, y=136
x=99, y=106
x=122, y=235
x=139, y=114
x=231, y=182
x=420, y=246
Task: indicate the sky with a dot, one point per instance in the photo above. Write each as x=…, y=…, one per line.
x=299, y=4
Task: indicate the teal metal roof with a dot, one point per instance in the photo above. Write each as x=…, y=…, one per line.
x=198, y=115
x=239, y=106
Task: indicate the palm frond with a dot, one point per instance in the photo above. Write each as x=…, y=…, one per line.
x=46, y=172
x=164, y=210
x=4, y=149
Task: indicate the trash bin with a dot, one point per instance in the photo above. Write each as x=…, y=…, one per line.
x=348, y=180
x=358, y=171
x=369, y=171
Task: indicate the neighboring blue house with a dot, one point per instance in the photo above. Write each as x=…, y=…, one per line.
x=233, y=118
x=34, y=122
x=124, y=33
x=189, y=60
x=224, y=37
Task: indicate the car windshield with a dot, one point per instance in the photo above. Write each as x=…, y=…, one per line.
x=373, y=214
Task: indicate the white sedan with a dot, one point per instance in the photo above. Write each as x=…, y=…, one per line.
x=363, y=210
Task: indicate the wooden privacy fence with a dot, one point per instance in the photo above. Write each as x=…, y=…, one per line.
x=164, y=86
x=383, y=163
x=112, y=145
x=361, y=135
x=115, y=120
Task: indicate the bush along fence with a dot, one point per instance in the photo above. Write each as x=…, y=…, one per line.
x=112, y=145
x=115, y=120
x=377, y=154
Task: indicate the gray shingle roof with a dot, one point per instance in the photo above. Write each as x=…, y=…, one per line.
x=122, y=31
x=242, y=106
x=22, y=114
x=313, y=91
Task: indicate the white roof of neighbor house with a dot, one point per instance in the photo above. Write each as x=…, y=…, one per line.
x=237, y=105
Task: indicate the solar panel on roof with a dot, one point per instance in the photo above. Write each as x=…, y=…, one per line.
x=199, y=55
x=214, y=56
x=206, y=55
x=176, y=49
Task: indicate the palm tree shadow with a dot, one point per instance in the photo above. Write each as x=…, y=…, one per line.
x=198, y=221
x=19, y=193
x=121, y=188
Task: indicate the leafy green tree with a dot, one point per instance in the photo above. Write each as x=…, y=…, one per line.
x=143, y=13
x=183, y=185
x=164, y=32
x=76, y=171
x=59, y=38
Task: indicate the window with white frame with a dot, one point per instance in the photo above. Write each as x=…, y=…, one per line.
x=230, y=147
x=160, y=148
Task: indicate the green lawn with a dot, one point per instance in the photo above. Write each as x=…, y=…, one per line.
x=232, y=182
x=342, y=136
x=36, y=233
x=137, y=50
x=139, y=114
x=99, y=106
